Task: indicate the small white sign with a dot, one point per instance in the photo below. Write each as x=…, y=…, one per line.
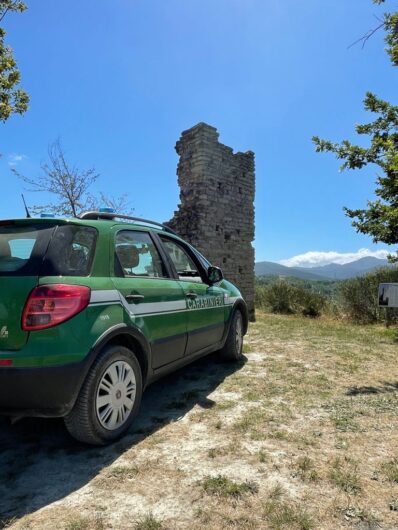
x=388, y=295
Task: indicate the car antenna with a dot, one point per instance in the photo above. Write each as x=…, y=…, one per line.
x=26, y=208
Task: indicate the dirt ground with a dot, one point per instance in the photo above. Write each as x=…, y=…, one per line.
x=302, y=435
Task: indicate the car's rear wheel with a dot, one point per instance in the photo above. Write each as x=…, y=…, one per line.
x=233, y=347
x=109, y=398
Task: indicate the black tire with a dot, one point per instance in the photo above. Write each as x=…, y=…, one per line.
x=233, y=348
x=83, y=422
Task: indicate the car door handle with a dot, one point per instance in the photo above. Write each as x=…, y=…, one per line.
x=134, y=297
x=191, y=295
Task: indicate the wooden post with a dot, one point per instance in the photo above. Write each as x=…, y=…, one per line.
x=387, y=318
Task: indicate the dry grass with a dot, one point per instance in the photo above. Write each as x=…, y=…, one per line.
x=148, y=522
x=224, y=487
x=302, y=436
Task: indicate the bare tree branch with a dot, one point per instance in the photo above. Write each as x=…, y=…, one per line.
x=67, y=183
x=120, y=204
x=70, y=186
x=369, y=34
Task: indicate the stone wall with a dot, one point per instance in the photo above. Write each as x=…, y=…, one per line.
x=216, y=213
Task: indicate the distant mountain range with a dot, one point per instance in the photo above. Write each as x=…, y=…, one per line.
x=333, y=271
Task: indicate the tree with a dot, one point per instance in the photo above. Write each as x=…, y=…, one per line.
x=13, y=100
x=390, y=24
x=120, y=203
x=69, y=185
x=380, y=218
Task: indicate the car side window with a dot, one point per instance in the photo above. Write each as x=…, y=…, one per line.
x=136, y=255
x=184, y=264
x=70, y=252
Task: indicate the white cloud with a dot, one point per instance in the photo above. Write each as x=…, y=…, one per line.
x=14, y=158
x=314, y=258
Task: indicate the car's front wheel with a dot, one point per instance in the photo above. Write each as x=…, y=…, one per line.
x=109, y=398
x=233, y=347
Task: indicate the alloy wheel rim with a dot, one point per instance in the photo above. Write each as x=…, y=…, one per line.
x=115, y=395
x=239, y=335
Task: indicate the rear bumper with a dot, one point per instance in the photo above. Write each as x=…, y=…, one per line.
x=47, y=392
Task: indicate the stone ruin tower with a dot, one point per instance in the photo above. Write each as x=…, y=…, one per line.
x=216, y=214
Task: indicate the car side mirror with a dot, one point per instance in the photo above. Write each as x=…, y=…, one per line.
x=214, y=274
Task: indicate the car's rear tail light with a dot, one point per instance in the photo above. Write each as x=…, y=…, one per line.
x=49, y=305
x=6, y=362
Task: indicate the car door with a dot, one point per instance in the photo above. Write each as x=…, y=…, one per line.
x=205, y=303
x=154, y=301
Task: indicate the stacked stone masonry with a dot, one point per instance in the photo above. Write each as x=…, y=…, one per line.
x=216, y=213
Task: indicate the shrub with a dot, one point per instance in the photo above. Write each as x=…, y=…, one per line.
x=311, y=303
x=283, y=297
x=359, y=297
x=260, y=297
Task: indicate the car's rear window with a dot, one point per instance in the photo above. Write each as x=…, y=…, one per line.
x=22, y=248
x=46, y=250
x=71, y=251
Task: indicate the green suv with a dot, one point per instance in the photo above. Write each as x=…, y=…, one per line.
x=93, y=309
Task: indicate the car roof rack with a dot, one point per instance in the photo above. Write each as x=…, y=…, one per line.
x=112, y=215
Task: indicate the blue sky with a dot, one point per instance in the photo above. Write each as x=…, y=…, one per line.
x=118, y=80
